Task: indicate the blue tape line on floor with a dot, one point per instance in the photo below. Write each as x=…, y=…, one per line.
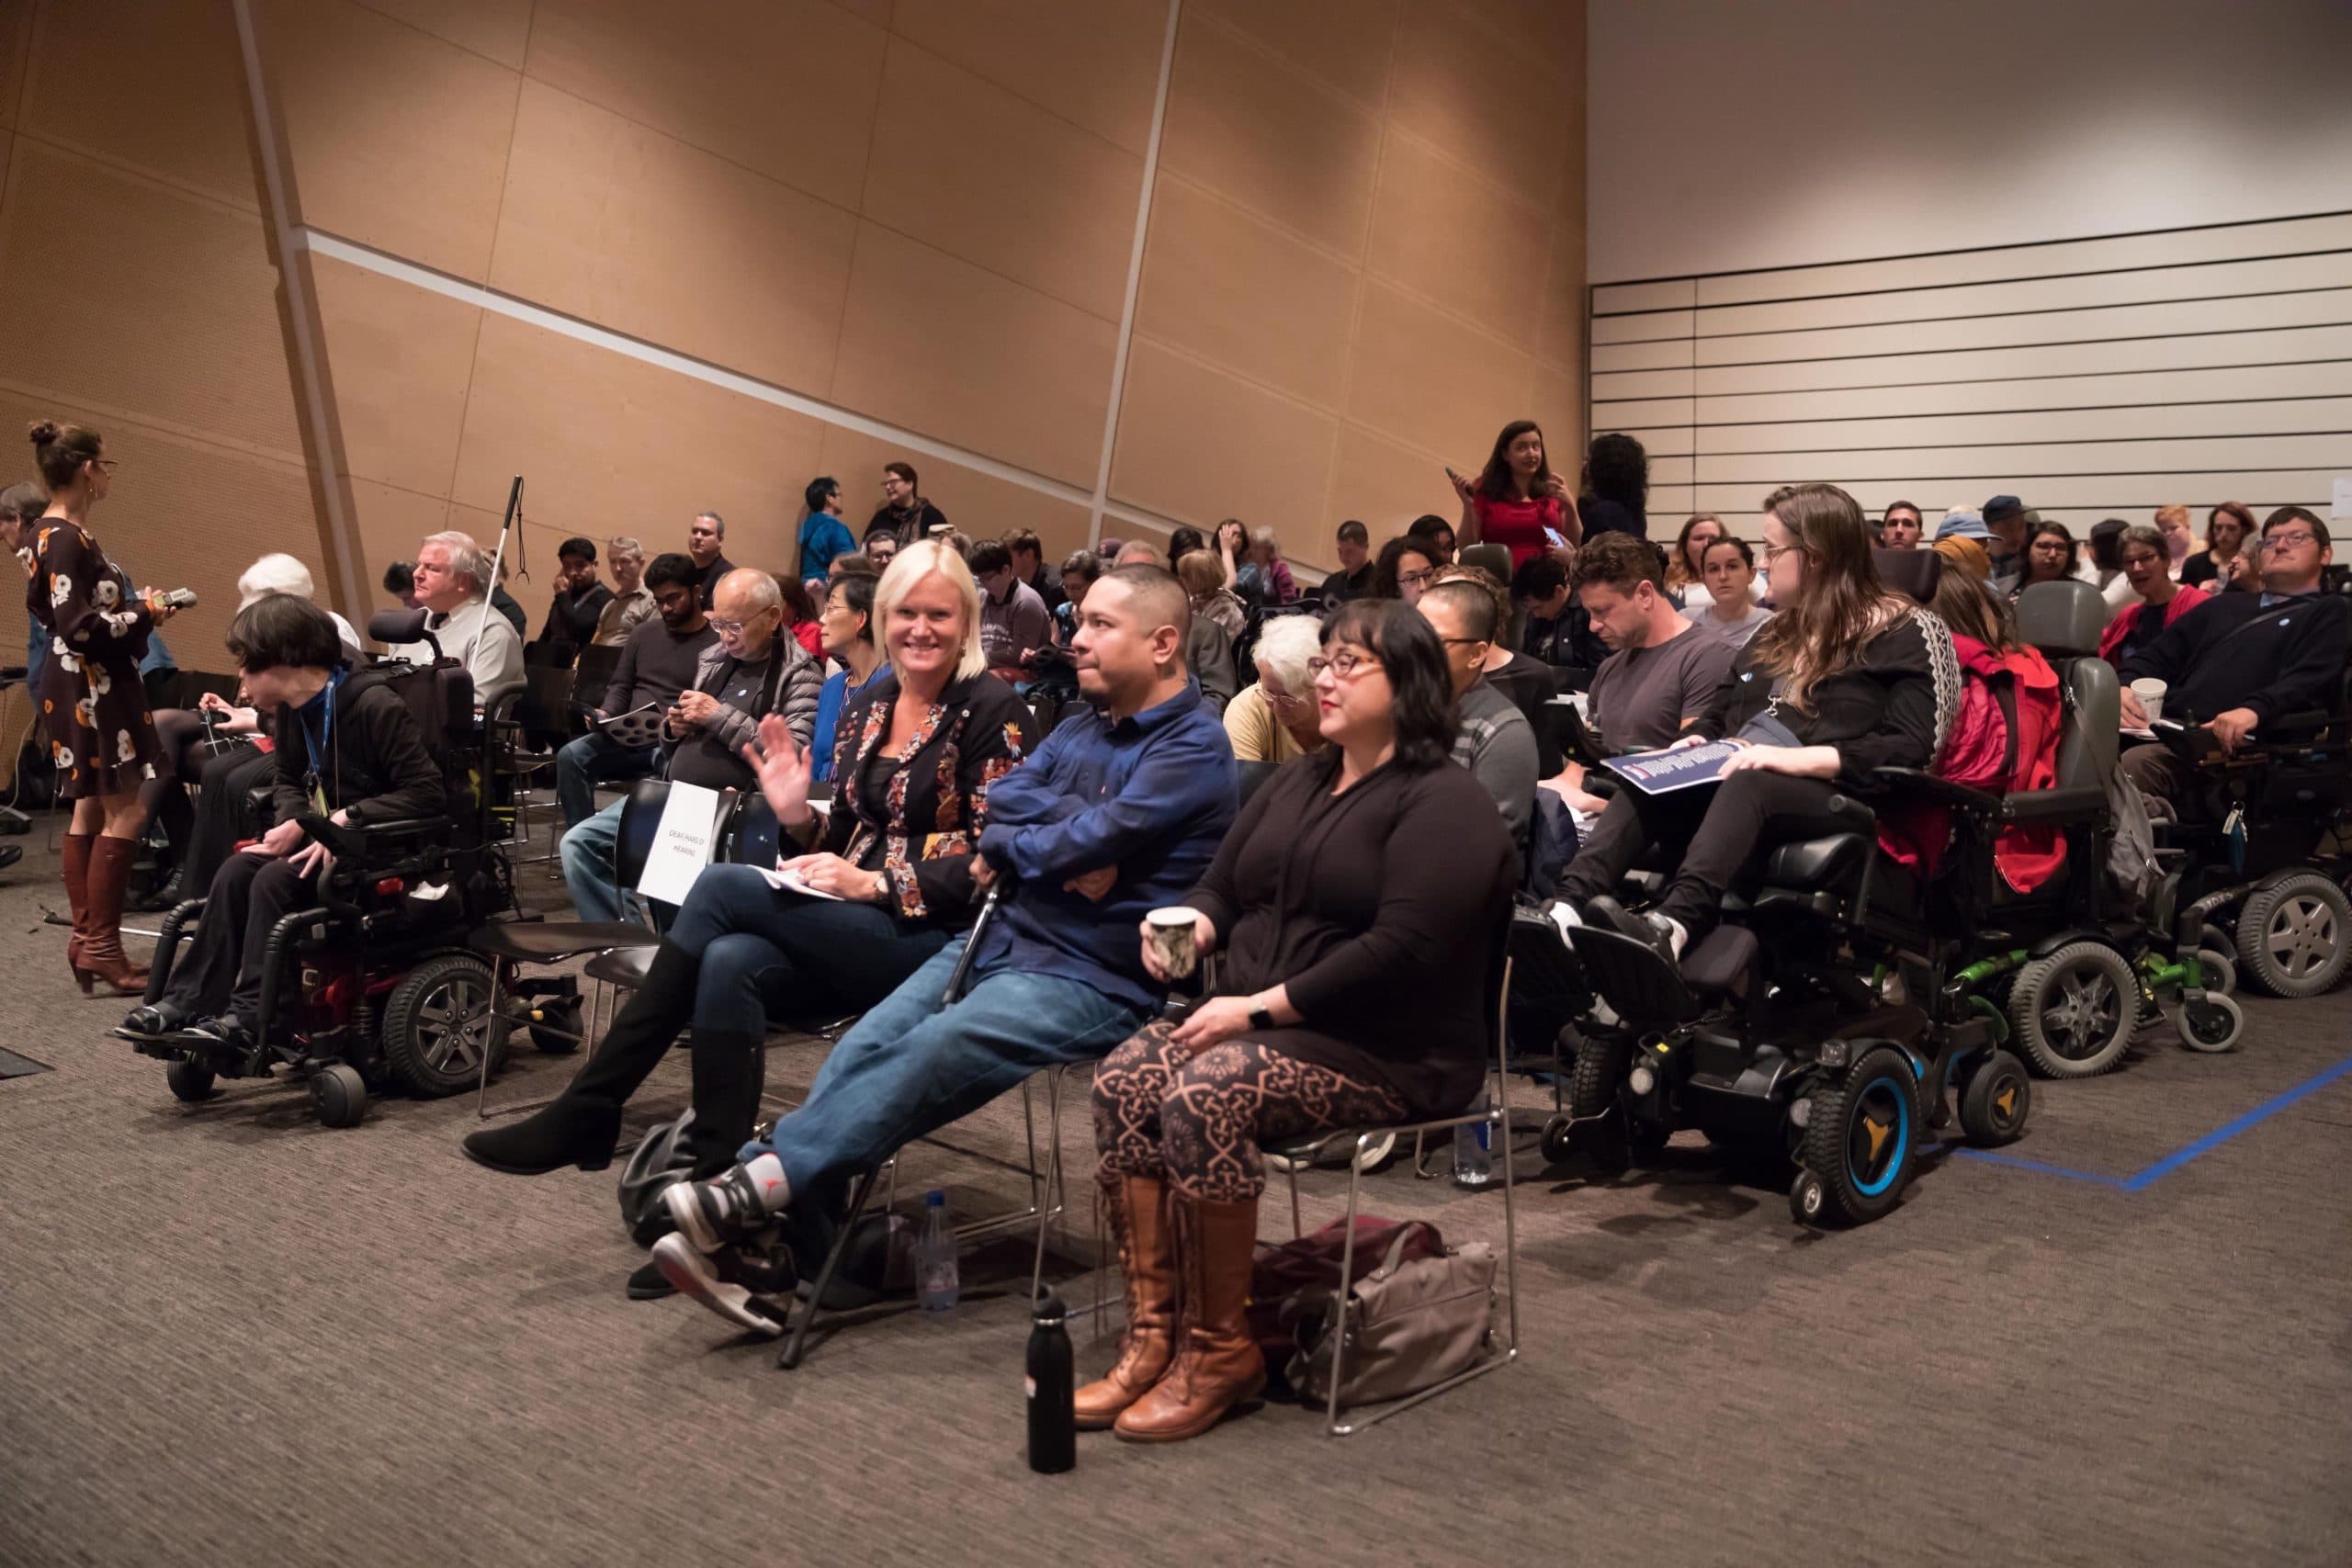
x=2180, y=1156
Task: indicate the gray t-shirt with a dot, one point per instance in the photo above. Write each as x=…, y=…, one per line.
x=1641, y=695
x=1497, y=745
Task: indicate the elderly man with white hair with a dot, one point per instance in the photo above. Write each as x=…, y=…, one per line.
x=280, y=573
x=452, y=585
x=1277, y=717
x=632, y=602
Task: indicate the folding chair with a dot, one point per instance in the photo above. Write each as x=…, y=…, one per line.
x=542, y=709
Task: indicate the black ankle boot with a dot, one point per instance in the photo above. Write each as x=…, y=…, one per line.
x=567, y=1132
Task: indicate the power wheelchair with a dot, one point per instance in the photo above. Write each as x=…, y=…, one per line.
x=1779, y=1034
x=374, y=986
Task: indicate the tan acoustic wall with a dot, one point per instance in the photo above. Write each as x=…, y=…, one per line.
x=1366, y=255
x=138, y=294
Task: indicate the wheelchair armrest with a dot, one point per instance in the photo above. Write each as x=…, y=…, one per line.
x=1920, y=782
x=353, y=838
x=1858, y=817
x=2053, y=804
x=2191, y=743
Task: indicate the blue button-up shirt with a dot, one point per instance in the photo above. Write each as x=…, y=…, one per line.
x=1151, y=794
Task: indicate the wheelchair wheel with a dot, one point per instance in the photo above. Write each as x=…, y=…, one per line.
x=2073, y=1012
x=2221, y=971
x=1599, y=1133
x=339, y=1095
x=1862, y=1137
x=1994, y=1104
x=190, y=1081
x=2211, y=1026
x=436, y=1024
x=2294, y=933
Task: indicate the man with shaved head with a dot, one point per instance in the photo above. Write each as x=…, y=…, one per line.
x=1118, y=812
x=756, y=668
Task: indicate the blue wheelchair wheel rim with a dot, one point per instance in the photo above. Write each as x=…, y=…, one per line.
x=1881, y=1092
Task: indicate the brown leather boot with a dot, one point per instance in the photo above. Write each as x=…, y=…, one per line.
x=77, y=895
x=102, y=954
x=1137, y=1206
x=1218, y=1365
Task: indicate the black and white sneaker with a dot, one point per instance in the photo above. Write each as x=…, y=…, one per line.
x=718, y=1212
x=1654, y=929
x=750, y=1294
x=152, y=1022
x=227, y=1031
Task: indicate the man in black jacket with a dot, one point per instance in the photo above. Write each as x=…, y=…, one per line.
x=2243, y=660
x=346, y=745
x=579, y=599
x=905, y=512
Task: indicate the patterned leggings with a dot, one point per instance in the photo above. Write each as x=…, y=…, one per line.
x=1196, y=1120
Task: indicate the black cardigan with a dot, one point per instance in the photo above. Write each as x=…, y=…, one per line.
x=938, y=792
x=1888, y=711
x=1376, y=910
x=375, y=765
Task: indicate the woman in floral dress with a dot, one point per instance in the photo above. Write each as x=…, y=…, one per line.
x=93, y=709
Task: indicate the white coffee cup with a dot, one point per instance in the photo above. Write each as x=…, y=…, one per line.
x=2150, y=696
x=1171, y=939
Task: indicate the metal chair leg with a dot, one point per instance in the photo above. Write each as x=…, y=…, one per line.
x=794, y=1345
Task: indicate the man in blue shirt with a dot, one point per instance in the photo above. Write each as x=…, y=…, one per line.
x=1118, y=812
x=823, y=535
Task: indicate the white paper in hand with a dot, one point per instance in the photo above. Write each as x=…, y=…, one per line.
x=784, y=881
x=682, y=843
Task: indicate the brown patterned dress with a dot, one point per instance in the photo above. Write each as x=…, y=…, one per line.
x=93, y=708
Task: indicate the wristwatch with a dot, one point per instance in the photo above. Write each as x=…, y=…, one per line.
x=1260, y=1019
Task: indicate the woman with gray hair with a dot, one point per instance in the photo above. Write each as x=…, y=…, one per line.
x=2147, y=563
x=1276, y=718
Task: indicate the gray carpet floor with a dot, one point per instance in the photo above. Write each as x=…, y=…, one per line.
x=230, y=1335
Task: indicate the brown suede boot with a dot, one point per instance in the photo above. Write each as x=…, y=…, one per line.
x=1218, y=1365
x=77, y=895
x=102, y=954
x=1138, y=1209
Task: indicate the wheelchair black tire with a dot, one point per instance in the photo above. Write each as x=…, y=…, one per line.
x=339, y=1095
x=1881, y=1088
x=1996, y=1101
x=2101, y=1013
x=2313, y=900
x=190, y=1081
x=1602, y=1133
x=415, y=1024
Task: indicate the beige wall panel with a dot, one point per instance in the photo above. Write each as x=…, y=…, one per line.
x=389, y=523
x=122, y=291
x=158, y=85
x=1385, y=487
x=1423, y=378
x=1634, y=414
x=399, y=140
x=1095, y=62
x=2320, y=379
x=2267, y=417
x=787, y=88
x=1232, y=288
x=597, y=437
x=980, y=504
x=1341, y=43
x=937, y=345
x=499, y=29
x=1197, y=444
x=623, y=226
x=1447, y=91
x=1644, y=326
x=984, y=175
x=881, y=13
x=15, y=41
x=2199, y=351
x=1270, y=139
x=1559, y=324
x=400, y=359
x=1673, y=294
x=1555, y=401
x=2122, y=495
x=1452, y=237
x=1644, y=383
x=1672, y=353
x=2039, y=459
x=1553, y=30
x=183, y=514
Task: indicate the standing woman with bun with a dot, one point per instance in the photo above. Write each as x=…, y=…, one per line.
x=93, y=708
x=1517, y=501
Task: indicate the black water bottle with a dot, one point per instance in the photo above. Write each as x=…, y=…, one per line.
x=1052, y=1392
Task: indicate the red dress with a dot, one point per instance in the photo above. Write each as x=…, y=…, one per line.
x=1518, y=526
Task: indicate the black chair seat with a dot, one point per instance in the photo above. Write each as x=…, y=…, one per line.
x=552, y=942
x=1815, y=864
x=623, y=967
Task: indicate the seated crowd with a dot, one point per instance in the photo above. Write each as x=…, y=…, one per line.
x=1347, y=828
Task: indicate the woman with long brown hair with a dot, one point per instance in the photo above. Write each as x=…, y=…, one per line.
x=1517, y=501
x=2227, y=528
x=1847, y=677
x=1686, y=573
x=93, y=709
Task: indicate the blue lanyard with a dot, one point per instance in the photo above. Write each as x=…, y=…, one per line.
x=321, y=748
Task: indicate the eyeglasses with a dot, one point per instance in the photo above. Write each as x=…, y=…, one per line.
x=1774, y=552
x=1284, y=699
x=1344, y=665
x=1462, y=641
x=730, y=629
x=2287, y=539
x=1414, y=579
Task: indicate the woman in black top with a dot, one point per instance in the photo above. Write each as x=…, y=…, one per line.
x=2227, y=528
x=914, y=757
x=1358, y=899
x=1846, y=678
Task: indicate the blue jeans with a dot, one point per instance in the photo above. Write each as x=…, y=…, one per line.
x=913, y=1064
x=767, y=954
x=588, y=866
x=592, y=759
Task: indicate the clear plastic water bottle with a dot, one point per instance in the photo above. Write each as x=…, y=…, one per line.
x=1474, y=1163
x=937, y=1285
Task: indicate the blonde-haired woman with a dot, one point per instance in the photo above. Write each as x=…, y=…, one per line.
x=915, y=753
x=1847, y=677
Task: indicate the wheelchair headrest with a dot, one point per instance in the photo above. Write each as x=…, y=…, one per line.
x=1913, y=573
x=395, y=627
x=1494, y=558
x=2062, y=619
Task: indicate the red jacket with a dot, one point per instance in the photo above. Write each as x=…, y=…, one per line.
x=1980, y=754
x=2111, y=640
